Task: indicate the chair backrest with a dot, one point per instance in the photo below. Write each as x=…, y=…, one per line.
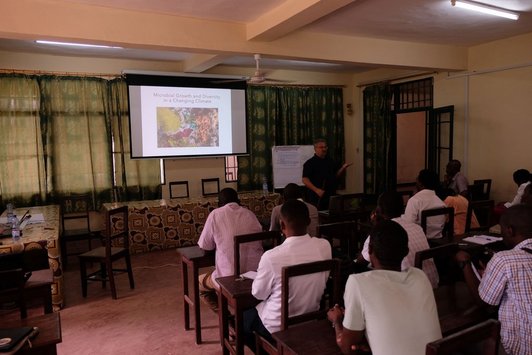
x=210, y=187
x=448, y=228
x=481, y=339
x=441, y=251
x=12, y=288
x=483, y=211
x=75, y=211
x=481, y=190
x=274, y=236
x=443, y=256
x=405, y=194
x=178, y=189
x=332, y=266
x=346, y=232
x=116, y=229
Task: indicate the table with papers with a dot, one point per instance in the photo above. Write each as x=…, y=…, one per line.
x=40, y=231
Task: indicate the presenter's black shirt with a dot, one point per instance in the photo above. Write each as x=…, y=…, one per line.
x=322, y=174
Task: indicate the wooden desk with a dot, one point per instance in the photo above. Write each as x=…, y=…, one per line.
x=193, y=258
x=315, y=337
x=318, y=337
x=49, y=333
x=234, y=293
x=44, y=236
x=359, y=215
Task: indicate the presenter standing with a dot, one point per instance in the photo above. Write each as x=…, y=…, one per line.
x=320, y=175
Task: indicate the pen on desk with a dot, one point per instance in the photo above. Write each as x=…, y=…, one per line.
x=24, y=216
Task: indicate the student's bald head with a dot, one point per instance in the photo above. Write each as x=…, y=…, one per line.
x=516, y=222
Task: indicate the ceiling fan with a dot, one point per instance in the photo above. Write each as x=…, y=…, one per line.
x=260, y=77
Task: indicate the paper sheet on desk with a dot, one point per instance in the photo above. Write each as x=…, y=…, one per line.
x=34, y=218
x=482, y=239
x=249, y=275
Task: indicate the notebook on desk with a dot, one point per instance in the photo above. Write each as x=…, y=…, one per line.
x=12, y=339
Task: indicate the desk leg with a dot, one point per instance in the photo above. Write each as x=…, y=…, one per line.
x=239, y=331
x=223, y=317
x=186, y=313
x=197, y=317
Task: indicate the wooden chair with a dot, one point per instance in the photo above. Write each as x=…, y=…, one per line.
x=406, y=194
x=75, y=220
x=178, y=189
x=483, y=211
x=443, y=255
x=12, y=289
x=116, y=230
x=345, y=232
x=210, y=187
x=448, y=228
x=456, y=307
x=480, y=339
x=480, y=190
x=19, y=285
x=331, y=293
x=274, y=236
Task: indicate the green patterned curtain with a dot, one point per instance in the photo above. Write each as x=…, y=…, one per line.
x=288, y=116
x=22, y=173
x=76, y=136
x=378, y=172
x=137, y=179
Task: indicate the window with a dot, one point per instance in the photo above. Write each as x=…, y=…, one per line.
x=231, y=168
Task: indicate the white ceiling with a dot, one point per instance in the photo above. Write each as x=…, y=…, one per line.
x=423, y=21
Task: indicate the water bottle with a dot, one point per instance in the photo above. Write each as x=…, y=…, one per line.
x=265, y=186
x=9, y=212
x=15, y=231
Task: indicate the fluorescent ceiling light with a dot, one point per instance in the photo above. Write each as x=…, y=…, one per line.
x=485, y=9
x=70, y=44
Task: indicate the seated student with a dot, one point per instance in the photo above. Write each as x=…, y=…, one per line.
x=392, y=311
x=305, y=291
x=390, y=207
x=455, y=180
x=222, y=224
x=527, y=195
x=522, y=179
x=507, y=280
x=460, y=205
x=293, y=192
x=426, y=182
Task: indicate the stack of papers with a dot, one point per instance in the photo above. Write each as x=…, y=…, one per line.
x=482, y=239
x=249, y=275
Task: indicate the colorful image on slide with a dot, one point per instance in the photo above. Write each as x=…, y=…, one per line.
x=187, y=127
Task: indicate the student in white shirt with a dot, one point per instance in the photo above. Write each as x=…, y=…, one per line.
x=305, y=291
x=522, y=179
x=386, y=309
x=425, y=199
